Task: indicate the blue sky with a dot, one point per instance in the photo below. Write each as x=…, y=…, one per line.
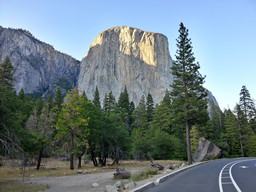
x=223, y=32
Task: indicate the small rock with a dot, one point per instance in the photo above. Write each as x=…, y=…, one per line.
x=79, y=171
x=130, y=185
x=121, y=173
x=85, y=172
x=168, y=170
x=175, y=166
x=167, y=167
x=95, y=185
x=183, y=165
x=119, y=185
x=111, y=188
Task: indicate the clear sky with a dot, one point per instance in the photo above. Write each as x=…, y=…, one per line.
x=223, y=32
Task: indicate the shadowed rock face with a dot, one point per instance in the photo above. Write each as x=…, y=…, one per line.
x=125, y=56
x=39, y=69
x=206, y=150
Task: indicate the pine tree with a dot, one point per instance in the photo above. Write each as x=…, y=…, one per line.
x=247, y=104
x=58, y=99
x=244, y=130
x=96, y=98
x=123, y=101
x=189, y=96
x=73, y=122
x=231, y=134
x=6, y=76
x=162, y=114
x=150, y=107
x=109, y=102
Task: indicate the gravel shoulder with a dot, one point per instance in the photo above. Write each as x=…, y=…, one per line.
x=83, y=182
x=74, y=183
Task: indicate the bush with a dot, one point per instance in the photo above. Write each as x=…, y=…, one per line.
x=144, y=175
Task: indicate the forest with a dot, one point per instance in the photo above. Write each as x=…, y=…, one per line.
x=72, y=126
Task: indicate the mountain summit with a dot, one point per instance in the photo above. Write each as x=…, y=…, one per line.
x=126, y=56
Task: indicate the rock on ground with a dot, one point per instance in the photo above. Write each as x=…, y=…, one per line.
x=206, y=150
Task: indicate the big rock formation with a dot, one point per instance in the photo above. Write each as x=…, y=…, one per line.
x=206, y=150
x=39, y=69
x=126, y=56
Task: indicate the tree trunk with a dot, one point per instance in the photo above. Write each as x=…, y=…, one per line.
x=72, y=153
x=39, y=158
x=79, y=162
x=240, y=139
x=72, y=161
x=188, y=143
x=94, y=160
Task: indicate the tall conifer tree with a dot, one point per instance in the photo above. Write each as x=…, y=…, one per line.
x=189, y=96
x=6, y=70
x=246, y=103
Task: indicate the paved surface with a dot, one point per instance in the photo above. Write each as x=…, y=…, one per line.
x=228, y=175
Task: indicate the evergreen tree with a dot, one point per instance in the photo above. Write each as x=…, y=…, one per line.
x=140, y=115
x=73, y=122
x=123, y=101
x=247, y=104
x=96, y=98
x=6, y=70
x=124, y=107
x=189, y=96
x=244, y=130
x=150, y=107
x=231, y=134
x=162, y=114
x=21, y=94
x=109, y=104
x=58, y=99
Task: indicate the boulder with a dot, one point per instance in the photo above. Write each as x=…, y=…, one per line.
x=111, y=188
x=130, y=185
x=156, y=165
x=119, y=185
x=121, y=173
x=175, y=166
x=206, y=150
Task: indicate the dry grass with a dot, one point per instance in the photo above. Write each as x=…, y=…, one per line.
x=14, y=186
x=54, y=167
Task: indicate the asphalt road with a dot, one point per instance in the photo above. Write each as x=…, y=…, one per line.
x=226, y=175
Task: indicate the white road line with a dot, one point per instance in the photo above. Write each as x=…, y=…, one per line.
x=220, y=176
x=232, y=179
x=227, y=183
x=222, y=172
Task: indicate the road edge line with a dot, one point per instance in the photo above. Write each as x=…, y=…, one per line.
x=165, y=177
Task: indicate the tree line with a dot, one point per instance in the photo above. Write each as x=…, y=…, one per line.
x=72, y=125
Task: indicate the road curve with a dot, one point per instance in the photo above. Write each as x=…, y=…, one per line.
x=225, y=175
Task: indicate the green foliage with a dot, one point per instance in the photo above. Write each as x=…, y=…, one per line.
x=144, y=175
x=189, y=96
x=6, y=77
x=73, y=122
x=96, y=98
x=246, y=104
x=150, y=107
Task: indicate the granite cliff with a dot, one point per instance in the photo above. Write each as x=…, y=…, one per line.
x=39, y=68
x=126, y=56
x=118, y=57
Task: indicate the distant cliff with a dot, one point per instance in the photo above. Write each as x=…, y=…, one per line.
x=39, y=68
x=126, y=56
x=118, y=57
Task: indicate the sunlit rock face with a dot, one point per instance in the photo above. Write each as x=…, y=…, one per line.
x=126, y=56
x=39, y=68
